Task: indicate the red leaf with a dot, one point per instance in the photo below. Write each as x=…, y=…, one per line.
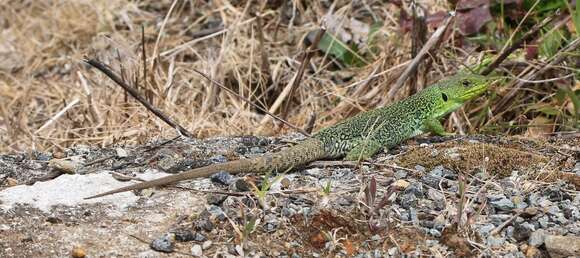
x=472, y=21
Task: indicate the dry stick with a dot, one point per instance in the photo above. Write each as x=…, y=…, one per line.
x=265, y=66
x=507, y=51
x=251, y=103
x=303, y=63
x=430, y=43
x=559, y=57
x=419, y=35
x=283, y=95
x=101, y=67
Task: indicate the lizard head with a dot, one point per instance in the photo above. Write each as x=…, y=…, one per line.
x=451, y=93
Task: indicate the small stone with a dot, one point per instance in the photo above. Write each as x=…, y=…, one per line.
x=63, y=165
x=400, y=174
x=121, y=153
x=78, y=252
x=435, y=195
x=163, y=244
x=537, y=238
x=222, y=177
x=241, y=185
x=206, y=245
x=420, y=168
x=376, y=238
x=205, y=224
x=435, y=233
x=216, y=199
x=401, y=184
x=11, y=181
x=503, y=204
x=196, y=250
x=562, y=246
x=285, y=183
x=533, y=252
x=4, y=227
x=183, y=234
x=498, y=219
x=53, y=220
x=522, y=231
x=486, y=229
x=529, y=212
x=218, y=159
x=495, y=241
x=217, y=212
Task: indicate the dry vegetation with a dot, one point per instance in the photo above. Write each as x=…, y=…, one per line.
x=50, y=99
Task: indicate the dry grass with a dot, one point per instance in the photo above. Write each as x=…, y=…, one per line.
x=50, y=100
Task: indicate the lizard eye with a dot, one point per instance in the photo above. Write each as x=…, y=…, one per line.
x=444, y=96
x=466, y=83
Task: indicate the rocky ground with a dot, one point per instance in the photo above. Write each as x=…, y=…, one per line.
x=459, y=196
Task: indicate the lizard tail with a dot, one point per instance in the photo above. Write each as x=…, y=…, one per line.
x=292, y=157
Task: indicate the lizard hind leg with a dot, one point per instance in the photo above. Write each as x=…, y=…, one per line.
x=363, y=150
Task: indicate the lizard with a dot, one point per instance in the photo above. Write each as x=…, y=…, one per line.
x=356, y=138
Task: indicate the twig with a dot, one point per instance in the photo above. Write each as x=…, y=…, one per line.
x=559, y=57
x=503, y=225
x=303, y=63
x=252, y=103
x=144, y=58
x=411, y=67
x=265, y=66
x=58, y=115
x=101, y=67
x=526, y=37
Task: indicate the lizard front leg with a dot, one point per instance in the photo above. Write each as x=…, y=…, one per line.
x=434, y=126
x=364, y=149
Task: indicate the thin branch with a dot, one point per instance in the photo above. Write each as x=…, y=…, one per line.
x=131, y=90
x=308, y=53
x=417, y=60
x=526, y=37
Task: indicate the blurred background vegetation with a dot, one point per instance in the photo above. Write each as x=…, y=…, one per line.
x=50, y=99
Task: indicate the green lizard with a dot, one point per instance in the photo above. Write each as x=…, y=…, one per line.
x=355, y=138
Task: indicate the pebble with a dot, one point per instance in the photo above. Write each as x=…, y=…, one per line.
x=216, y=199
x=435, y=195
x=163, y=244
x=78, y=252
x=183, y=234
x=495, y=241
x=206, y=245
x=11, y=181
x=222, y=177
x=401, y=184
x=485, y=229
x=400, y=174
x=562, y=246
x=217, y=212
x=241, y=185
x=503, y=204
x=522, y=231
x=537, y=238
x=218, y=159
x=196, y=250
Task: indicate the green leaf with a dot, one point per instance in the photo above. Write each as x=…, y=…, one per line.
x=551, y=43
x=548, y=110
x=345, y=54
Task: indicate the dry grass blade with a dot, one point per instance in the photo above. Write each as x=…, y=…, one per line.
x=101, y=67
x=252, y=103
x=506, y=51
x=556, y=59
x=417, y=60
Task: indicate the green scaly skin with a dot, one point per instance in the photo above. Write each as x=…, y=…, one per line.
x=356, y=138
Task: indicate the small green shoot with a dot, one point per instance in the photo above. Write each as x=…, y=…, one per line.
x=326, y=189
